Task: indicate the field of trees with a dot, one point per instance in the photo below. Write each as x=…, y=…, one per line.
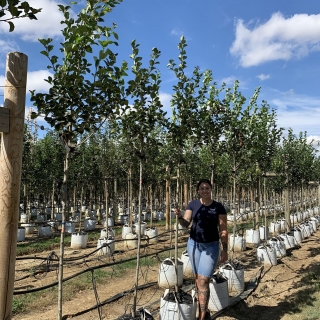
x=110, y=153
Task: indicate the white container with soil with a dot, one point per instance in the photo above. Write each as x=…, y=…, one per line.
x=29, y=227
x=266, y=255
x=187, y=268
x=90, y=224
x=123, y=218
x=70, y=227
x=283, y=224
x=58, y=217
x=125, y=230
x=23, y=218
x=159, y=215
x=289, y=240
x=177, y=306
x=305, y=229
x=142, y=230
x=106, y=246
x=108, y=222
x=79, y=240
x=219, y=293
x=275, y=227
x=41, y=217
x=252, y=237
x=131, y=241
x=44, y=231
x=297, y=234
x=21, y=236
x=152, y=234
x=53, y=224
x=238, y=242
x=278, y=244
x=311, y=226
x=104, y=233
x=76, y=216
x=315, y=223
x=167, y=276
x=234, y=272
x=264, y=233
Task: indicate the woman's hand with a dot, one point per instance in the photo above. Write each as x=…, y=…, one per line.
x=177, y=212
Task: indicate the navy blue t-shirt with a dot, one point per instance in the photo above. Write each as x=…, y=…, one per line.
x=205, y=220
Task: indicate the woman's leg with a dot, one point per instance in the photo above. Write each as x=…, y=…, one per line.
x=207, y=264
x=203, y=258
x=202, y=284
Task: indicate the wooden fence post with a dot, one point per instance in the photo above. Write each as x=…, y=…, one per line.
x=10, y=175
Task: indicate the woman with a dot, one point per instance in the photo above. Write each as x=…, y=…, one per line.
x=209, y=224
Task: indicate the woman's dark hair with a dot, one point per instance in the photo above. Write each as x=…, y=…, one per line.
x=204, y=181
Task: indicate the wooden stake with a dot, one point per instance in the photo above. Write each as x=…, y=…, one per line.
x=10, y=175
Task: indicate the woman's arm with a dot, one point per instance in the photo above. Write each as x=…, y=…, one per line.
x=183, y=220
x=223, y=236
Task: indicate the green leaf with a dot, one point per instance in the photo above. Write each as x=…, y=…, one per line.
x=34, y=115
x=25, y=6
x=45, y=53
x=31, y=16
x=11, y=26
x=102, y=54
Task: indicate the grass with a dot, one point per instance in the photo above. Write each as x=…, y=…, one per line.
x=52, y=243
x=47, y=244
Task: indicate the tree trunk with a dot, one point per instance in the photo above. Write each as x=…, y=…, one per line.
x=139, y=244
x=167, y=198
x=64, y=216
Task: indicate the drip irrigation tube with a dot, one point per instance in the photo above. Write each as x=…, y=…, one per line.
x=15, y=292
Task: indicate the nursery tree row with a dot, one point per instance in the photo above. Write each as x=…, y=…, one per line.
x=111, y=136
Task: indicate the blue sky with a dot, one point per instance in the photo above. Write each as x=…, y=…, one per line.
x=273, y=44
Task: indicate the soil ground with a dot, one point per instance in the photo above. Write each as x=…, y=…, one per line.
x=275, y=296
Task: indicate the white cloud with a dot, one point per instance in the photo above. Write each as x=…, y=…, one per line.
x=279, y=38
x=179, y=33
x=35, y=80
x=8, y=46
x=315, y=140
x=47, y=25
x=263, y=77
x=176, y=32
x=165, y=100
x=296, y=111
x=2, y=80
x=229, y=80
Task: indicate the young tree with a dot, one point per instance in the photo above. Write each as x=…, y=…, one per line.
x=140, y=119
x=82, y=95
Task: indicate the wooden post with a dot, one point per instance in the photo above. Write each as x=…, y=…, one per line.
x=10, y=175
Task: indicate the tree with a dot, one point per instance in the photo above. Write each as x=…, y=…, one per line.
x=82, y=95
x=139, y=121
x=16, y=9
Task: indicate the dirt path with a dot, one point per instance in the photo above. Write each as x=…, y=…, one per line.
x=274, y=298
